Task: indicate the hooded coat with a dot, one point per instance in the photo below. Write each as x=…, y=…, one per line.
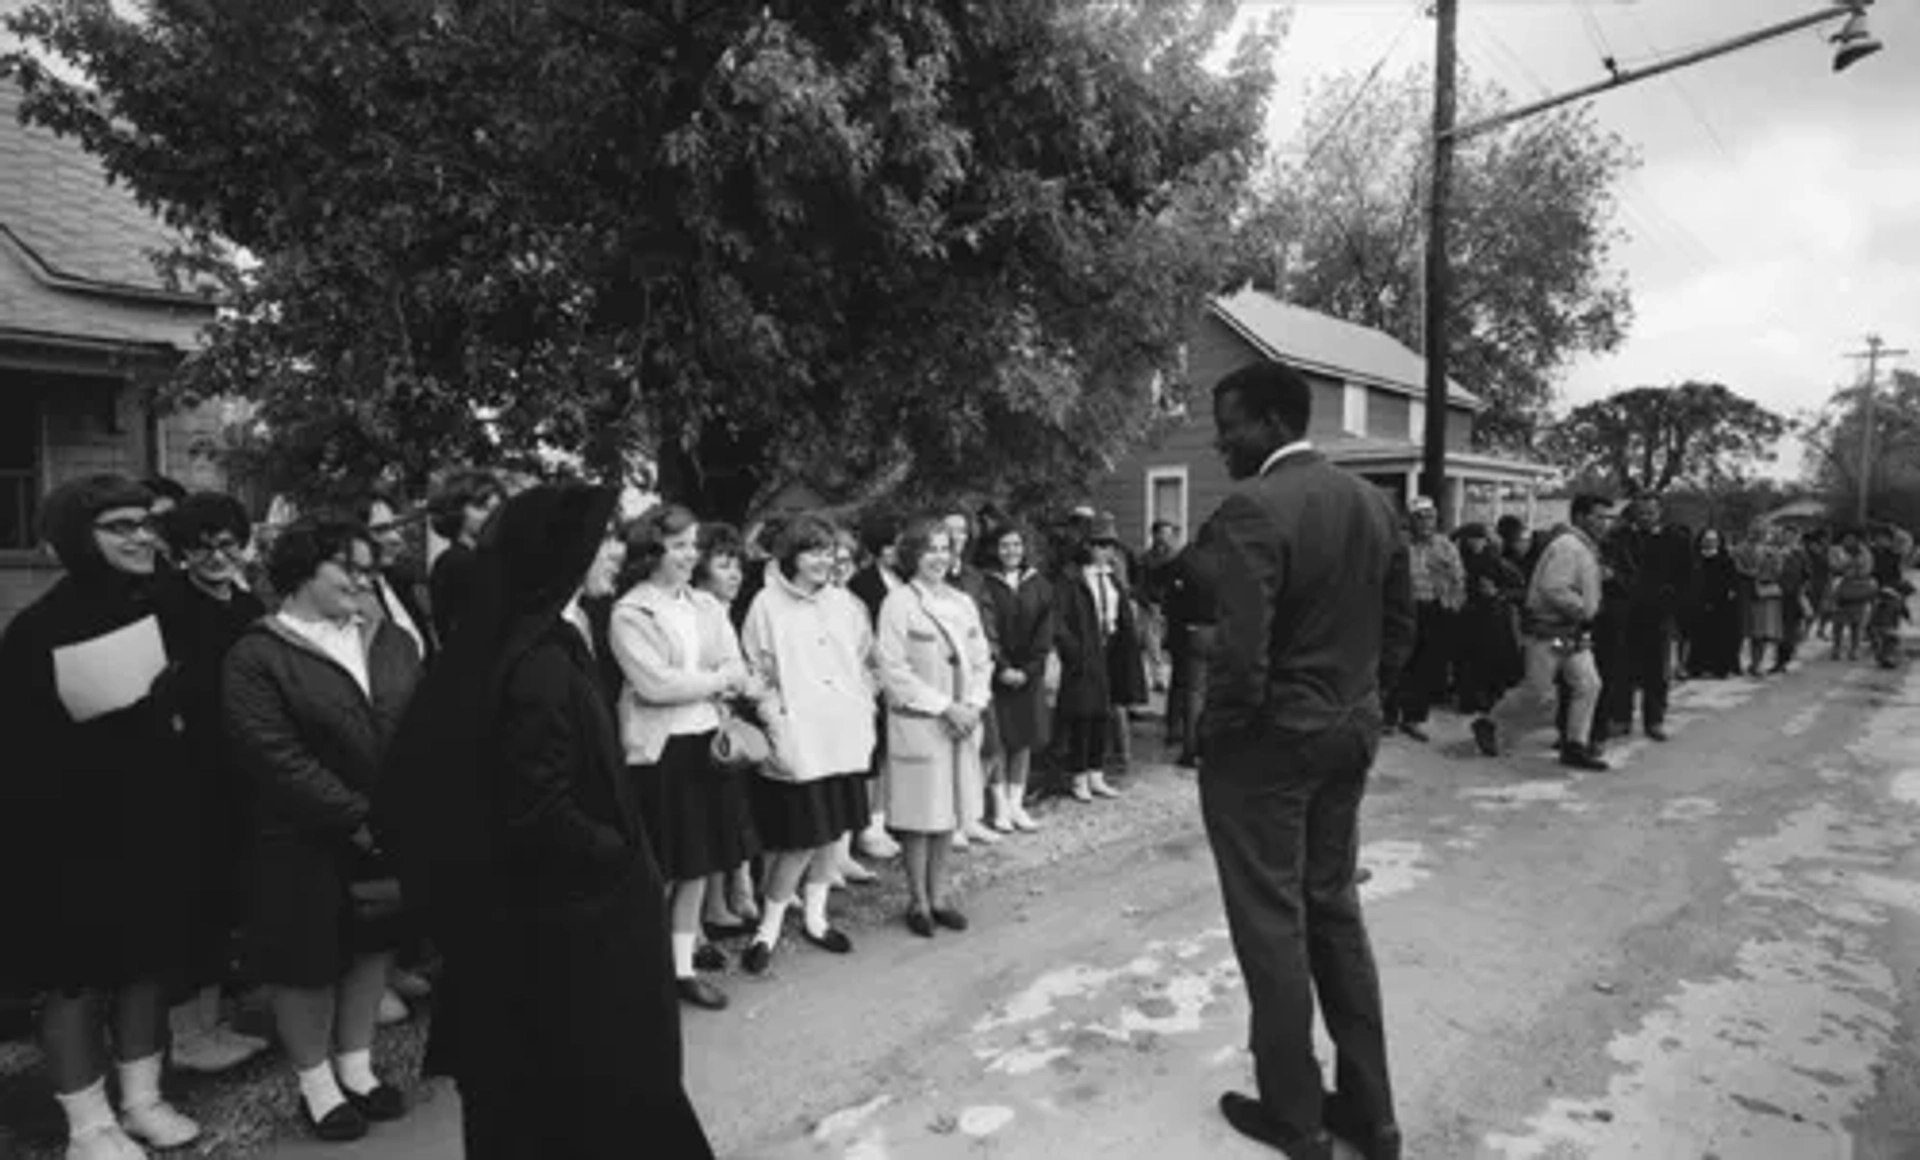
x=92, y=812
x=508, y=812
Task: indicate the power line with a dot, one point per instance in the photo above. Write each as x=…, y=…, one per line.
x=1359, y=93
x=1686, y=93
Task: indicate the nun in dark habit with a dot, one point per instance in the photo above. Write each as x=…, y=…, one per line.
x=507, y=808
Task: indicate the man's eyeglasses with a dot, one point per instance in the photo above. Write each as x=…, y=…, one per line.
x=128, y=528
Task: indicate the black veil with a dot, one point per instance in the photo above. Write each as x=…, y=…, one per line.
x=433, y=809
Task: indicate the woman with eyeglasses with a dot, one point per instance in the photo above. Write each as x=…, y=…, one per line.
x=208, y=533
x=312, y=696
x=92, y=810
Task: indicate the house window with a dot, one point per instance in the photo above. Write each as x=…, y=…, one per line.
x=1417, y=421
x=19, y=469
x=1167, y=498
x=1353, y=409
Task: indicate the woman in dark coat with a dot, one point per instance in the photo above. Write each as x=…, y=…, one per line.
x=458, y=512
x=312, y=696
x=1488, y=654
x=1022, y=612
x=94, y=813
x=509, y=809
x=1713, y=611
x=208, y=532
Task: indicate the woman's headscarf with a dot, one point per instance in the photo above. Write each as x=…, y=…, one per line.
x=434, y=806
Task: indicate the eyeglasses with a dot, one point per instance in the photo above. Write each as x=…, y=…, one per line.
x=354, y=569
x=128, y=528
x=221, y=545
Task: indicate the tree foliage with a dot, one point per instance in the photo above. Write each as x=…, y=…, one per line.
x=950, y=239
x=1652, y=439
x=1833, y=436
x=1532, y=235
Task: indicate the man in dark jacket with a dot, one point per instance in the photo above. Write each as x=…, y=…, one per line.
x=1315, y=606
x=1651, y=569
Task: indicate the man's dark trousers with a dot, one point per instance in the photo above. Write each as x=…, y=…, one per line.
x=1649, y=651
x=1282, y=812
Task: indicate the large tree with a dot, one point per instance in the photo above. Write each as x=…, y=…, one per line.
x=1650, y=439
x=955, y=241
x=1838, y=450
x=1340, y=227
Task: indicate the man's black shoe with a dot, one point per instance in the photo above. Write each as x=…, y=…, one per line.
x=1250, y=1119
x=1372, y=1141
x=701, y=993
x=1657, y=732
x=1583, y=757
x=1486, y=736
x=1414, y=729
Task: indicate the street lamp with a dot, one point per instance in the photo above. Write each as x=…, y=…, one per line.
x=1854, y=42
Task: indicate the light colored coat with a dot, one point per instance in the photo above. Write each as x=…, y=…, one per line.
x=1565, y=592
x=812, y=652
x=659, y=681
x=930, y=651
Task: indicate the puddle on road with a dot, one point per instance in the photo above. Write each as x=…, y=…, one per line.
x=1776, y=1056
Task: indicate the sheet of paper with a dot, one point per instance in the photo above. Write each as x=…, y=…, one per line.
x=111, y=672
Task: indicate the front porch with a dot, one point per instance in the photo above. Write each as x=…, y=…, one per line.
x=1479, y=488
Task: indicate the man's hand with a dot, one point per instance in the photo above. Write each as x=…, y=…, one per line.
x=1013, y=678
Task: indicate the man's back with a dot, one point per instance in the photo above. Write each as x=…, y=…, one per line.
x=1315, y=604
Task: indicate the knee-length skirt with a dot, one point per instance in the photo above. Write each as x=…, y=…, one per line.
x=695, y=813
x=805, y=815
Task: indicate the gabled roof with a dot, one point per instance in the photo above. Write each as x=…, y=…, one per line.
x=80, y=248
x=1327, y=345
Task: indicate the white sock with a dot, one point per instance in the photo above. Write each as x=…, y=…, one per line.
x=87, y=1109
x=140, y=1082
x=814, y=897
x=682, y=955
x=320, y=1090
x=355, y=1070
x=772, y=916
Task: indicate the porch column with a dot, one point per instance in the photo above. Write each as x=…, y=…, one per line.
x=1533, y=503
x=1456, y=493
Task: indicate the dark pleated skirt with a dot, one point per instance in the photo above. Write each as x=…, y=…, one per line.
x=303, y=928
x=695, y=813
x=806, y=815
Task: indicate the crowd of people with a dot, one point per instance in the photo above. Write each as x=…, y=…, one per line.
x=232, y=722
x=296, y=755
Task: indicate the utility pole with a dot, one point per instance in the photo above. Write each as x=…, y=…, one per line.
x=1869, y=402
x=1438, y=295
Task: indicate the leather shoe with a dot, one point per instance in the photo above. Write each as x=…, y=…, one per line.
x=1372, y=1141
x=756, y=958
x=950, y=918
x=1583, y=757
x=920, y=923
x=707, y=957
x=830, y=940
x=1251, y=1120
x=1487, y=737
x=701, y=993
x=1414, y=730
x=1657, y=732
x=342, y=1124
x=383, y=1105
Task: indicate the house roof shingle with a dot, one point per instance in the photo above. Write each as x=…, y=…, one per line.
x=82, y=247
x=1320, y=342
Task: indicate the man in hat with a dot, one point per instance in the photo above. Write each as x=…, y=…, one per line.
x=1314, y=608
x=1439, y=592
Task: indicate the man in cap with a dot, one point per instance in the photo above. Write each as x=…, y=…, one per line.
x=1439, y=591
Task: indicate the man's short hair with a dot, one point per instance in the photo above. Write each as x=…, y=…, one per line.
x=1585, y=504
x=1271, y=390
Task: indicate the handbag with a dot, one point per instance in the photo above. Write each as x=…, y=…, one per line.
x=738, y=743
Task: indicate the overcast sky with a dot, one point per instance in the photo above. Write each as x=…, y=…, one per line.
x=1775, y=220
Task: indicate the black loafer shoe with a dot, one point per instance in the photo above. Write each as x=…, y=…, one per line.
x=1372, y=1141
x=1250, y=1119
x=708, y=957
x=1657, y=732
x=920, y=923
x=832, y=941
x=756, y=957
x=383, y=1105
x=701, y=993
x=950, y=918
x=341, y=1125
x=1486, y=736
